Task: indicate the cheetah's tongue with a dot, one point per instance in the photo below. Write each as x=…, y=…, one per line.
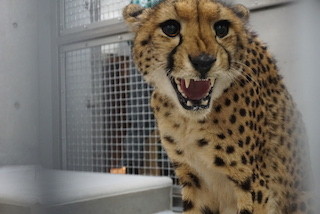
x=195, y=89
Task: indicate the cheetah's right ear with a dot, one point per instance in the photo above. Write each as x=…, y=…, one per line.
x=133, y=14
x=241, y=11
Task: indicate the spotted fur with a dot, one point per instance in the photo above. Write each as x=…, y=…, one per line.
x=241, y=149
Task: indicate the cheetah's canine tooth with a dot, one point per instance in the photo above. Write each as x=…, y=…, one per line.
x=212, y=81
x=187, y=82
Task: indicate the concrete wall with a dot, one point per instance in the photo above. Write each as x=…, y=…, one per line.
x=25, y=89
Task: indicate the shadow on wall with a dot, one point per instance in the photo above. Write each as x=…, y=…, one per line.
x=308, y=32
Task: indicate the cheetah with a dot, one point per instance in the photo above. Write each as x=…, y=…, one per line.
x=226, y=119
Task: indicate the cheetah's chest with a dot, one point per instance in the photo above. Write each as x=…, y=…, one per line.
x=218, y=187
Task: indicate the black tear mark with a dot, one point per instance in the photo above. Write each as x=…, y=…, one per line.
x=228, y=54
x=170, y=63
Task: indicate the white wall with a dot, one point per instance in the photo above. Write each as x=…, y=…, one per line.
x=47, y=79
x=25, y=57
x=309, y=77
x=292, y=33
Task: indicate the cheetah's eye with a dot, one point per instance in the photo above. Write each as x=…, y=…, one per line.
x=171, y=28
x=222, y=28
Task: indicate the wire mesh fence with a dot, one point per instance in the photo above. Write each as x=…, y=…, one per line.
x=81, y=13
x=108, y=120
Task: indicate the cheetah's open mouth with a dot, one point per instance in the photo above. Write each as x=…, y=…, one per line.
x=193, y=94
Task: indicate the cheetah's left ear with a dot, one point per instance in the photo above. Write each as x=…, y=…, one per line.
x=241, y=11
x=134, y=14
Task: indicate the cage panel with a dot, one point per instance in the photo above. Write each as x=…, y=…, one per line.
x=109, y=123
x=81, y=13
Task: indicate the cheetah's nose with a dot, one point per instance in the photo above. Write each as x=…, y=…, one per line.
x=202, y=63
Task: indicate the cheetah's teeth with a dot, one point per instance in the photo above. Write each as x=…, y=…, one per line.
x=204, y=102
x=212, y=81
x=187, y=82
x=189, y=103
x=181, y=92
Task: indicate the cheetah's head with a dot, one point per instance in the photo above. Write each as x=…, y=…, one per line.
x=188, y=50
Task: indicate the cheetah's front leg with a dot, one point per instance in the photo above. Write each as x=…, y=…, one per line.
x=200, y=198
x=199, y=159
x=195, y=194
